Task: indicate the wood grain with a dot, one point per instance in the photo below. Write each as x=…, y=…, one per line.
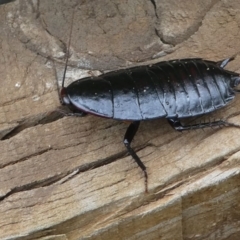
x=71, y=178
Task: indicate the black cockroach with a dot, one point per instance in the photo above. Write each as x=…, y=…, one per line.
x=171, y=89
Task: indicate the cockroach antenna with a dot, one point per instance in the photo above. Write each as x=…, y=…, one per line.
x=68, y=47
x=66, y=64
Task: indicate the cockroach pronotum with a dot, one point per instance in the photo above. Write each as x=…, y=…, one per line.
x=171, y=89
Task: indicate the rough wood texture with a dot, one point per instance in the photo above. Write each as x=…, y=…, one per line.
x=70, y=178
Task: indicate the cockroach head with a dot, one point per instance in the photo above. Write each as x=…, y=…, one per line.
x=64, y=99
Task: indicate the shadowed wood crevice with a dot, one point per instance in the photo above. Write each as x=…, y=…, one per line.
x=33, y=121
x=63, y=177
x=175, y=12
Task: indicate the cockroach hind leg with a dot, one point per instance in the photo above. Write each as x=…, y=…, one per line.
x=129, y=135
x=177, y=125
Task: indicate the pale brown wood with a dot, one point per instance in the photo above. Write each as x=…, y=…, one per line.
x=71, y=178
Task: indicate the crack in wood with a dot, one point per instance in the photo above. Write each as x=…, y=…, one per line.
x=32, y=121
x=191, y=31
x=25, y=158
x=63, y=177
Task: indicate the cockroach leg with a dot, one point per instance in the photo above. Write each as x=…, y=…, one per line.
x=129, y=135
x=177, y=125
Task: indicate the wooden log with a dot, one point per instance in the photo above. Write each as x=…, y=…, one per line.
x=71, y=178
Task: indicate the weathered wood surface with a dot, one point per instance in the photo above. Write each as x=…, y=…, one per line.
x=70, y=178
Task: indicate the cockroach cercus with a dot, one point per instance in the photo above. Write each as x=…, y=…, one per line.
x=173, y=90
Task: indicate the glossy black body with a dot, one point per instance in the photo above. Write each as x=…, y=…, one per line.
x=171, y=89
